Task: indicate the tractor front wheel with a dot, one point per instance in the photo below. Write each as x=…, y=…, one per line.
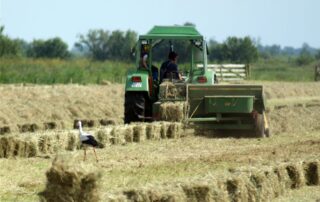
x=134, y=107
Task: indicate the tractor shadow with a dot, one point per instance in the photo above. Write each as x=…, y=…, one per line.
x=225, y=133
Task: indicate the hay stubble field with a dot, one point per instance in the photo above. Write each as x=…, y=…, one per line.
x=293, y=112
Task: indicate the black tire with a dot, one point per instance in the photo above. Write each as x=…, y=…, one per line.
x=259, y=126
x=134, y=107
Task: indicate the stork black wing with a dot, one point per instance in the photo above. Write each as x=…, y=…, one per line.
x=91, y=141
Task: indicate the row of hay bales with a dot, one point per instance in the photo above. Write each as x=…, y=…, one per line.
x=30, y=127
x=65, y=181
x=34, y=127
x=34, y=144
x=31, y=145
x=139, y=132
x=253, y=184
x=310, y=104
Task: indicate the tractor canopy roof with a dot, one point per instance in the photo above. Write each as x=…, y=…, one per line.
x=172, y=32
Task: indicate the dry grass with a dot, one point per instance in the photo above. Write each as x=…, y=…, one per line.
x=294, y=119
x=308, y=193
x=59, y=104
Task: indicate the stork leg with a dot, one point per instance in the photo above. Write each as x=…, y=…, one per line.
x=85, y=154
x=95, y=154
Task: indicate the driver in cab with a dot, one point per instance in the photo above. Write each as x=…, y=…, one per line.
x=169, y=69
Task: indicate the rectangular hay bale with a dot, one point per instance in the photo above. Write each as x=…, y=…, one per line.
x=153, y=131
x=172, y=111
x=312, y=172
x=103, y=136
x=69, y=181
x=139, y=133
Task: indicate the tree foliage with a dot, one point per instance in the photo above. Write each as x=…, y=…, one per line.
x=237, y=50
x=317, y=56
x=8, y=47
x=51, y=48
x=305, y=56
x=101, y=45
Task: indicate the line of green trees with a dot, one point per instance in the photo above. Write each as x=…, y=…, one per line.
x=101, y=45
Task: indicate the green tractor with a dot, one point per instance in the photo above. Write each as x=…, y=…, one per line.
x=206, y=104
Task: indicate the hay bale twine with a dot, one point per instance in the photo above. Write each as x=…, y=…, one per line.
x=312, y=173
x=139, y=133
x=296, y=175
x=69, y=180
x=172, y=111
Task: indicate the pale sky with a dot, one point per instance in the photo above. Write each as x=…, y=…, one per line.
x=284, y=22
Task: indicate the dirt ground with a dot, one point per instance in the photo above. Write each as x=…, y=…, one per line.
x=294, y=116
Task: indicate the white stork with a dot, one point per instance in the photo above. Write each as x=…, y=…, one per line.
x=87, y=140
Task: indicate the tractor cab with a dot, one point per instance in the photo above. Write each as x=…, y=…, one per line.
x=144, y=82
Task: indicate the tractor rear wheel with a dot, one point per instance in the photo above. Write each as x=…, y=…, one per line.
x=134, y=107
x=259, y=126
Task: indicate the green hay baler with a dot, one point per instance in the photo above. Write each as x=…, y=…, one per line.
x=207, y=104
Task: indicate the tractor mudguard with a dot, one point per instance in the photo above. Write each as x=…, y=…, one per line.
x=137, y=81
